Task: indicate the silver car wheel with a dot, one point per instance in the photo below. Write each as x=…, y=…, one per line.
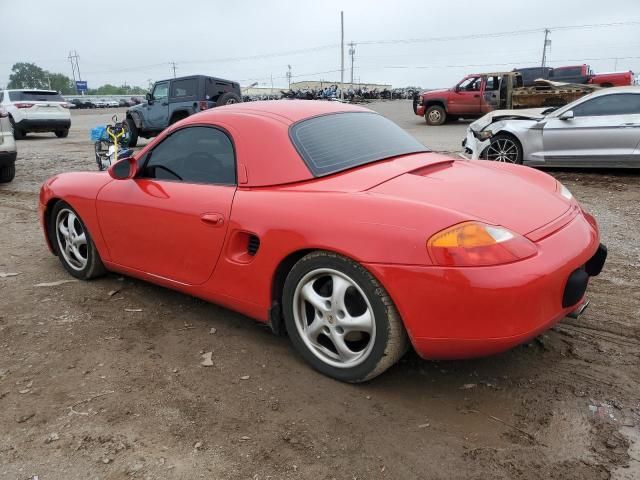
x=435, y=116
x=502, y=150
x=334, y=318
x=72, y=239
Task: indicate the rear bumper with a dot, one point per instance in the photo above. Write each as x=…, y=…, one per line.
x=43, y=125
x=454, y=313
x=7, y=158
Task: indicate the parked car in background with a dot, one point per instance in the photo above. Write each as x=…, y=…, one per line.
x=8, y=151
x=576, y=74
x=112, y=103
x=471, y=97
x=598, y=130
x=32, y=110
x=81, y=103
x=224, y=205
x=99, y=103
x=177, y=98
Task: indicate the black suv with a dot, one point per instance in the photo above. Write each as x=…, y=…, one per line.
x=177, y=98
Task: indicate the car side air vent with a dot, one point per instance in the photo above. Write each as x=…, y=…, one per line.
x=253, y=245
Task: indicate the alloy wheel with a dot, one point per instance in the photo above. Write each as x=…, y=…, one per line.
x=502, y=150
x=72, y=239
x=334, y=318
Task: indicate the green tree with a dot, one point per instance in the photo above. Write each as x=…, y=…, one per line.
x=27, y=75
x=61, y=83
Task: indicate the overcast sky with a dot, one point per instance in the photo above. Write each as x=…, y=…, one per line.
x=215, y=37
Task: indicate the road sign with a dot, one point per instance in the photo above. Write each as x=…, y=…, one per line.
x=81, y=86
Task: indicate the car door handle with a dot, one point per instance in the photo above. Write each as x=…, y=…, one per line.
x=630, y=124
x=214, y=219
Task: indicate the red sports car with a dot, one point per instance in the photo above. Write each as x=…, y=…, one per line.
x=332, y=222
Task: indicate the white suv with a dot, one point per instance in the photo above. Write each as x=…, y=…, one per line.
x=36, y=111
x=7, y=148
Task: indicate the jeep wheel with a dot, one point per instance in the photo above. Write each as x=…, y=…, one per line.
x=435, y=115
x=228, y=98
x=133, y=132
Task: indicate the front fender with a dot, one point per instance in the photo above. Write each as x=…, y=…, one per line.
x=79, y=190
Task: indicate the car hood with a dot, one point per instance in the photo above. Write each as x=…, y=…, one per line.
x=518, y=198
x=430, y=93
x=498, y=115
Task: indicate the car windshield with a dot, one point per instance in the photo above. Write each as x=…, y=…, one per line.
x=336, y=142
x=35, y=96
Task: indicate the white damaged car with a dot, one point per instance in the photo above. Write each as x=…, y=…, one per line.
x=601, y=129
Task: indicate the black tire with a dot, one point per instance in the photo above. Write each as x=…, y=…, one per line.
x=228, y=98
x=94, y=266
x=18, y=133
x=7, y=173
x=62, y=133
x=389, y=342
x=133, y=132
x=496, y=142
x=435, y=115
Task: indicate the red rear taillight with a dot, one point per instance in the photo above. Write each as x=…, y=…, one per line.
x=23, y=105
x=474, y=244
x=203, y=105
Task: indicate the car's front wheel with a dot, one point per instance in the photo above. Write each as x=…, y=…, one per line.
x=62, y=133
x=435, y=115
x=503, y=148
x=73, y=244
x=133, y=132
x=340, y=319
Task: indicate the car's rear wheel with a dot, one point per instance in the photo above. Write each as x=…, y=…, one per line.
x=340, y=319
x=7, y=173
x=62, y=133
x=18, y=133
x=503, y=148
x=73, y=244
x=435, y=115
x=228, y=98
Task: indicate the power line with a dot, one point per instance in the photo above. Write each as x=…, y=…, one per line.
x=474, y=36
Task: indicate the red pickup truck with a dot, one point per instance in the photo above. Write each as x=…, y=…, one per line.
x=584, y=74
x=472, y=97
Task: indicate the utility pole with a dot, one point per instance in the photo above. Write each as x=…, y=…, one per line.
x=341, y=55
x=289, y=75
x=547, y=43
x=352, y=52
x=75, y=66
x=173, y=65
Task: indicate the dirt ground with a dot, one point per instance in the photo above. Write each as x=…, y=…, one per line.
x=102, y=380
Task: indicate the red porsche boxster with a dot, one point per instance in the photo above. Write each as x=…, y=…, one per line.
x=331, y=223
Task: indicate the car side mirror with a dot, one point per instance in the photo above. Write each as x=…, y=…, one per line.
x=124, y=169
x=149, y=97
x=456, y=88
x=568, y=115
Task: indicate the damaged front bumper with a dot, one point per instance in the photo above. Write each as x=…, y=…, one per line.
x=474, y=146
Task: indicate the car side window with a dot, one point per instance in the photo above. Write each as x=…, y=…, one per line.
x=161, y=90
x=193, y=155
x=471, y=84
x=184, y=88
x=493, y=83
x=612, y=104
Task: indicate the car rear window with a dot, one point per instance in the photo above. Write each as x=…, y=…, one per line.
x=35, y=96
x=336, y=142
